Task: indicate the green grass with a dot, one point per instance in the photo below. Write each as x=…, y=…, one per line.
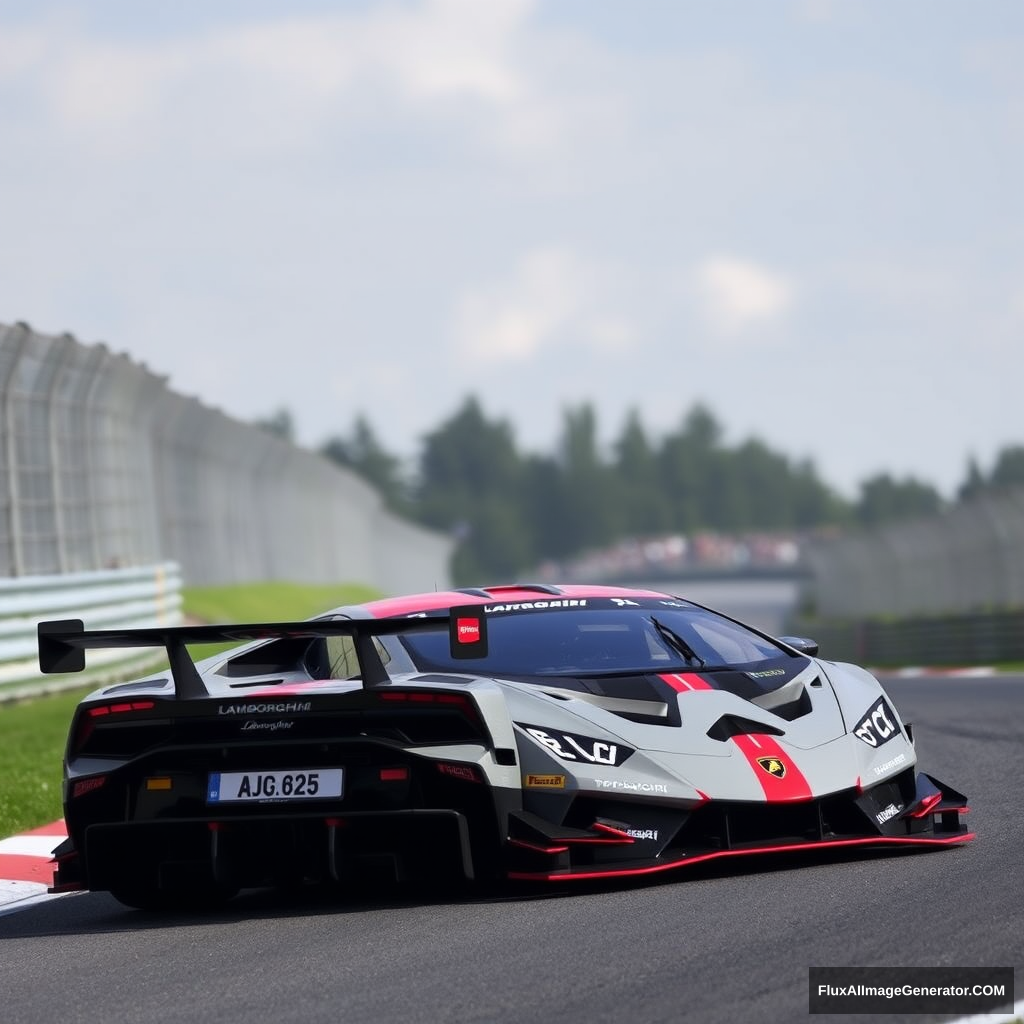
x=269, y=602
x=32, y=732
x=32, y=738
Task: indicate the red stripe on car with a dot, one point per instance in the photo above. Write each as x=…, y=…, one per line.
x=683, y=682
x=776, y=771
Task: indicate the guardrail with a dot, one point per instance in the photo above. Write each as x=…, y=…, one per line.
x=123, y=598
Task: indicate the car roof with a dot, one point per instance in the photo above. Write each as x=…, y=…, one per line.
x=509, y=593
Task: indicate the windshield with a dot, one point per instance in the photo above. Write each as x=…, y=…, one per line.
x=601, y=639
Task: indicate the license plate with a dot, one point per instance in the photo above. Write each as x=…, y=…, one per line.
x=295, y=784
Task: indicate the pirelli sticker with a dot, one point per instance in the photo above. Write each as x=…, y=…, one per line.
x=544, y=781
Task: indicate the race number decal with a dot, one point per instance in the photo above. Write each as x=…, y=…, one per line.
x=878, y=726
x=573, y=747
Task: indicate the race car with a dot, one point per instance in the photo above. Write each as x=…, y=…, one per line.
x=514, y=733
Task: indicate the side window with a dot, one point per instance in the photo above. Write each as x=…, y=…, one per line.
x=342, y=662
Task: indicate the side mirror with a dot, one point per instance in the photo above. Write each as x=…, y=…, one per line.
x=801, y=644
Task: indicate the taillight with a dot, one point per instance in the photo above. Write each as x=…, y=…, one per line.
x=426, y=716
x=117, y=729
x=118, y=709
x=431, y=698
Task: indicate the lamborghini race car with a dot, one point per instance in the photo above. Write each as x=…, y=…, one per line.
x=525, y=732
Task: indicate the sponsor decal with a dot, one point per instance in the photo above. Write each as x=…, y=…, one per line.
x=881, y=769
x=672, y=604
x=572, y=747
x=624, y=602
x=878, y=725
x=468, y=631
x=284, y=707
x=533, y=606
x=251, y=724
x=773, y=766
x=766, y=673
x=889, y=812
x=544, y=782
x=642, y=833
x=631, y=787
x=466, y=772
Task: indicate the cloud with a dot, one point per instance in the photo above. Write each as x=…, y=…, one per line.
x=439, y=49
x=737, y=295
x=302, y=66
x=817, y=11
x=513, y=321
x=554, y=298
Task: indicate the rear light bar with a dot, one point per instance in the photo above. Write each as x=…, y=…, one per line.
x=117, y=709
x=88, y=720
x=432, y=698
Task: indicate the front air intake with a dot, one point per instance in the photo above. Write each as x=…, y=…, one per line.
x=732, y=725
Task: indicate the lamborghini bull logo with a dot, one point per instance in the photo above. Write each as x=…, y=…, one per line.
x=773, y=766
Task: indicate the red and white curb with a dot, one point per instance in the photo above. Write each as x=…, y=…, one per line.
x=26, y=864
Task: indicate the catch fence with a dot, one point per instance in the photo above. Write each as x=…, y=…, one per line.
x=943, y=590
x=103, y=466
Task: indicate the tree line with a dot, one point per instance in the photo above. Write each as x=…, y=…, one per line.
x=511, y=510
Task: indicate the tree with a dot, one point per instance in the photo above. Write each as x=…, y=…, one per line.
x=587, y=489
x=642, y=500
x=1009, y=468
x=814, y=503
x=974, y=483
x=279, y=423
x=701, y=429
x=768, y=484
x=364, y=454
x=885, y=500
x=685, y=459
x=470, y=484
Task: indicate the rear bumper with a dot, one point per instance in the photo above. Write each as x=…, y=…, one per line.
x=243, y=852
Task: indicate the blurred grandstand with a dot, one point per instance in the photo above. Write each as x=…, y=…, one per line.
x=677, y=556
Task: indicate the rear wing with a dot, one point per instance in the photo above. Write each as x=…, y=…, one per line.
x=63, y=643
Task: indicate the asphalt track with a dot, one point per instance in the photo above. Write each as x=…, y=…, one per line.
x=723, y=944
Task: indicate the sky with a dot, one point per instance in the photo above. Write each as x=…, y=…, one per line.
x=806, y=215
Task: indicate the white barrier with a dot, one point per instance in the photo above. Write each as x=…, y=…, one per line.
x=112, y=598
